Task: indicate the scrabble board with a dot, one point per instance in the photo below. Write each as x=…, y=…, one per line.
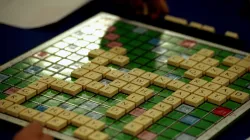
x=112, y=78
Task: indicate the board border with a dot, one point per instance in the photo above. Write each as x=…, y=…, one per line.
x=205, y=136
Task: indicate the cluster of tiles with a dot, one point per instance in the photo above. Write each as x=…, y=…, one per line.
x=153, y=86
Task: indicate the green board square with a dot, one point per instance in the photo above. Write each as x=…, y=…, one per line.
x=151, y=55
x=212, y=118
x=207, y=78
x=142, y=61
x=110, y=132
x=175, y=115
x=165, y=93
x=39, y=99
x=143, y=38
x=31, y=60
x=118, y=125
x=207, y=106
x=120, y=96
x=21, y=66
x=246, y=90
x=155, y=88
x=50, y=93
x=161, y=138
x=3, y=87
x=123, y=136
x=85, y=94
x=241, y=82
x=154, y=64
x=76, y=101
x=159, y=72
x=203, y=124
x=99, y=98
x=179, y=126
x=43, y=64
x=132, y=65
x=29, y=104
x=123, y=40
x=235, y=87
x=138, y=51
x=246, y=76
x=135, y=43
x=147, y=105
x=155, y=128
x=112, y=66
x=131, y=57
x=156, y=99
x=128, y=47
x=201, y=46
x=166, y=121
x=10, y=71
x=33, y=78
x=171, y=53
x=127, y=118
x=231, y=105
x=147, y=68
x=107, y=120
x=223, y=67
x=101, y=109
x=185, y=80
x=2, y=96
x=194, y=131
x=170, y=133
x=69, y=130
x=62, y=97
x=152, y=33
x=147, y=46
x=12, y=81
x=198, y=113
x=111, y=102
x=225, y=54
x=52, y=103
x=80, y=111
x=23, y=84
x=132, y=35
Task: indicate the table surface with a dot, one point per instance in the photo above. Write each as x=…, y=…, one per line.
x=15, y=41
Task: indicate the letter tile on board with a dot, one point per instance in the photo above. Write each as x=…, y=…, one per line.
x=58, y=85
x=28, y=114
x=102, y=70
x=42, y=118
x=130, y=88
x=94, y=86
x=16, y=98
x=127, y=77
x=193, y=73
x=172, y=100
x=56, y=123
x=89, y=66
x=15, y=109
x=127, y=105
x=47, y=80
x=229, y=75
x=118, y=83
x=230, y=61
x=206, y=52
x=175, y=60
x=95, y=124
x=67, y=115
x=80, y=120
x=226, y=91
x=118, y=50
x=163, y=107
x=212, y=86
x=247, y=58
x=144, y=120
x=4, y=104
x=150, y=76
x=221, y=81
x=136, y=72
x=146, y=92
x=77, y=73
x=203, y=92
x=214, y=71
x=108, y=91
x=133, y=128
x=27, y=92
x=154, y=114
x=244, y=63
x=198, y=82
x=83, y=132
x=72, y=89
x=93, y=76
x=100, y=61
x=95, y=52
x=54, y=110
x=83, y=81
x=238, y=69
x=187, y=64
x=175, y=85
x=202, y=67
x=115, y=112
x=162, y=81
x=197, y=57
x=136, y=98
x=97, y=135
x=141, y=82
x=211, y=62
x=38, y=86
x=181, y=94
x=239, y=96
x=114, y=74
x=217, y=98
x=120, y=60
x=189, y=88
x=108, y=55
x=194, y=100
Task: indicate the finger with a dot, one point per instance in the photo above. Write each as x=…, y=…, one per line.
x=164, y=6
x=34, y=129
x=160, y=5
x=46, y=137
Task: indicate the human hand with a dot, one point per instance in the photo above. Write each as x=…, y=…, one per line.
x=33, y=131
